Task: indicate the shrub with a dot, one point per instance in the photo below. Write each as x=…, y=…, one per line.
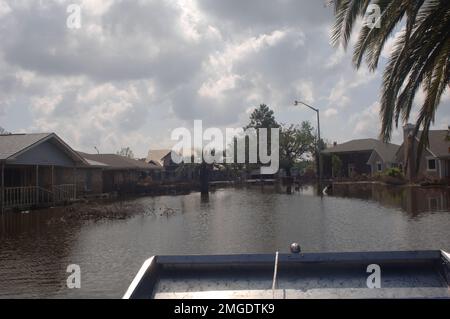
x=393, y=172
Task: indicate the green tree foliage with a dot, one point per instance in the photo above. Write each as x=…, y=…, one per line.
x=296, y=141
x=262, y=116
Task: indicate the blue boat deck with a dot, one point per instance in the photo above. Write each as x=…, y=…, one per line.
x=423, y=274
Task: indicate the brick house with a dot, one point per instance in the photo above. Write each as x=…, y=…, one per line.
x=435, y=159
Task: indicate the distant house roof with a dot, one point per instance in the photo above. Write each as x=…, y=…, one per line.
x=114, y=161
x=439, y=143
x=13, y=145
x=157, y=156
x=95, y=163
x=386, y=151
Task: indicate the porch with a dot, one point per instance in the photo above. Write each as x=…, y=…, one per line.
x=27, y=186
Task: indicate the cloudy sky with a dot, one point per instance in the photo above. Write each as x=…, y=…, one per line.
x=136, y=70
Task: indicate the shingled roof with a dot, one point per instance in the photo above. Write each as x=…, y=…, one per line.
x=156, y=156
x=114, y=161
x=439, y=143
x=385, y=150
x=12, y=145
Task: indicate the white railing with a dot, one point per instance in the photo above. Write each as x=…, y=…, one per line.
x=64, y=192
x=32, y=195
x=20, y=196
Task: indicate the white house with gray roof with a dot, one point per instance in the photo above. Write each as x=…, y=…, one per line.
x=37, y=170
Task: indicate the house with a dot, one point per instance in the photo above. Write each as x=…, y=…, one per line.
x=37, y=170
x=122, y=174
x=361, y=156
x=171, y=171
x=435, y=159
x=160, y=157
x=90, y=178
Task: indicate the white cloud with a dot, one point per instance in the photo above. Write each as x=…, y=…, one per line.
x=137, y=69
x=366, y=123
x=330, y=112
x=338, y=96
x=305, y=91
x=336, y=58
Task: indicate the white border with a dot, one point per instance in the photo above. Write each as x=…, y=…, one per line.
x=138, y=277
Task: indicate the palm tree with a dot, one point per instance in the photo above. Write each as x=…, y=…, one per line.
x=419, y=60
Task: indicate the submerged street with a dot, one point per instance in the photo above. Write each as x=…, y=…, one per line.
x=38, y=246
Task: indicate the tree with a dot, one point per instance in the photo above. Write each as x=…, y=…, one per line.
x=126, y=152
x=295, y=142
x=262, y=117
x=419, y=60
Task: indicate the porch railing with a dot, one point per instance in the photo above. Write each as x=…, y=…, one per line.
x=64, y=192
x=32, y=195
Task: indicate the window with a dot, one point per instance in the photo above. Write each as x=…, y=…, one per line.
x=431, y=164
x=379, y=167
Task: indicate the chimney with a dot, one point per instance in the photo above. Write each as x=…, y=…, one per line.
x=408, y=129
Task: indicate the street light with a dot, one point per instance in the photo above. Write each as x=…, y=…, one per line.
x=318, y=133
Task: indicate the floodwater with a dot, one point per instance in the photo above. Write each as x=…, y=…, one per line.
x=37, y=247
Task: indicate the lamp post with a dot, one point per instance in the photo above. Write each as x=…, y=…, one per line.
x=318, y=139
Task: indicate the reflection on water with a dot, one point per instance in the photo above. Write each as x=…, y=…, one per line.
x=37, y=247
x=413, y=200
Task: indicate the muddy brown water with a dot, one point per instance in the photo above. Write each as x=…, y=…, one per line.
x=37, y=247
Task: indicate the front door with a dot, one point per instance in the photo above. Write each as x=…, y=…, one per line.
x=351, y=170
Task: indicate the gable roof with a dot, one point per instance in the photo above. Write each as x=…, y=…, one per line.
x=114, y=161
x=157, y=156
x=439, y=144
x=12, y=145
x=385, y=150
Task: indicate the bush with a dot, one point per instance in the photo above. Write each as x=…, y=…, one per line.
x=393, y=172
x=393, y=176
x=393, y=180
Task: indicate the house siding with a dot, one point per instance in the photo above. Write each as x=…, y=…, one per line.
x=421, y=171
x=44, y=154
x=374, y=160
x=89, y=181
x=121, y=181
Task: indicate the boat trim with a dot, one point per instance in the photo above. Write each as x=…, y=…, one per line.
x=139, y=276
